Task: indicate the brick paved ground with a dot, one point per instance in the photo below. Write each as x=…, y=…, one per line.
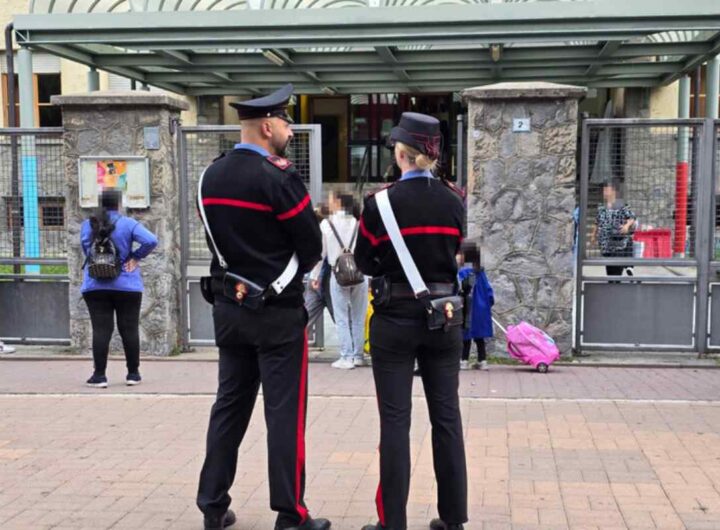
x=564, y=382
x=620, y=448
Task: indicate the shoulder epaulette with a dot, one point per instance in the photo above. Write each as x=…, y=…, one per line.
x=279, y=162
x=454, y=188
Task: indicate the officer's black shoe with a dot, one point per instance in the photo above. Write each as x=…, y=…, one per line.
x=310, y=524
x=438, y=524
x=220, y=522
x=373, y=527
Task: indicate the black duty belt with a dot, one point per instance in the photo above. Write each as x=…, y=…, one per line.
x=403, y=291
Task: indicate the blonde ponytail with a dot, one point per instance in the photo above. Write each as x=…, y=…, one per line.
x=422, y=161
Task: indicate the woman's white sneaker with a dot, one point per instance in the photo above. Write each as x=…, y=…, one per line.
x=344, y=364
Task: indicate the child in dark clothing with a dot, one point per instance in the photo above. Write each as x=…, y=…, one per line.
x=479, y=299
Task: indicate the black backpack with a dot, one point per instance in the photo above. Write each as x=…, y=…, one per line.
x=345, y=269
x=103, y=260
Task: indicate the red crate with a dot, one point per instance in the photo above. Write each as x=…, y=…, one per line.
x=658, y=242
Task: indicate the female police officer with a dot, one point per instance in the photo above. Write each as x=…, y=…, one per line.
x=429, y=214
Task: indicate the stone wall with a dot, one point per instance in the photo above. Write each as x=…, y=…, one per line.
x=107, y=124
x=521, y=196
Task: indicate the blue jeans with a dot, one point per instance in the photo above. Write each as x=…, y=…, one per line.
x=350, y=306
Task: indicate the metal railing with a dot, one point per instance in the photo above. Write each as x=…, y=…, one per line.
x=33, y=225
x=646, y=220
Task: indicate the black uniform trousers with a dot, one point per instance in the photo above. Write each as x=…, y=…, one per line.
x=394, y=349
x=267, y=347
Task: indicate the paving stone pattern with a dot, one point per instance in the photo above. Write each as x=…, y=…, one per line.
x=110, y=460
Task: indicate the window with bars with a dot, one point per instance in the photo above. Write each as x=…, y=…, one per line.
x=51, y=213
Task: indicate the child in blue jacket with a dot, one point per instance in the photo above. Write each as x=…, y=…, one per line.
x=479, y=299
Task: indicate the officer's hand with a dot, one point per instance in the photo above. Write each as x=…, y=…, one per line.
x=314, y=285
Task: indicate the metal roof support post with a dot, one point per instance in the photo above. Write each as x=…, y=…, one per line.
x=712, y=88
x=15, y=170
x=26, y=88
x=10, y=61
x=28, y=160
x=93, y=80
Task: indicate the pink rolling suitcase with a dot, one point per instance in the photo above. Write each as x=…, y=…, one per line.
x=530, y=345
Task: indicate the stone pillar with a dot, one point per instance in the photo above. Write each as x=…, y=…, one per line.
x=521, y=197
x=112, y=124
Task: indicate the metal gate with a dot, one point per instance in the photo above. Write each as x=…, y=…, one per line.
x=198, y=146
x=652, y=285
x=34, y=285
x=713, y=332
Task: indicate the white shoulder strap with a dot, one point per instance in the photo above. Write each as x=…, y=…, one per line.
x=201, y=208
x=406, y=261
x=285, y=277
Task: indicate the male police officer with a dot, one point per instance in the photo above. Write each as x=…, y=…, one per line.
x=263, y=235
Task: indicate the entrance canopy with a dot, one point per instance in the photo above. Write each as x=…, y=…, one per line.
x=227, y=47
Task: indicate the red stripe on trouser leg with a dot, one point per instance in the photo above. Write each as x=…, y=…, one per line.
x=380, y=505
x=300, y=448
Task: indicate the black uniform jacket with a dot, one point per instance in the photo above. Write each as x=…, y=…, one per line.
x=431, y=216
x=259, y=212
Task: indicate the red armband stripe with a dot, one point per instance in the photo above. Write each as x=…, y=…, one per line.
x=294, y=211
x=235, y=203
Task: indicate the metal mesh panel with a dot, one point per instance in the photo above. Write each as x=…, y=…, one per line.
x=646, y=172
x=201, y=146
x=32, y=194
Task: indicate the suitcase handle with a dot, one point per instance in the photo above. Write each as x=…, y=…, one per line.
x=500, y=326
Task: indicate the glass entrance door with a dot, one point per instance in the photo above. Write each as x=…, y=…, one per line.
x=372, y=116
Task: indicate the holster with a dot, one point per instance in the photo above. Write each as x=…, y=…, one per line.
x=380, y=287
x=206, y=289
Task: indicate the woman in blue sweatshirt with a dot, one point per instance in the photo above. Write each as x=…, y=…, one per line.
x=120, y=296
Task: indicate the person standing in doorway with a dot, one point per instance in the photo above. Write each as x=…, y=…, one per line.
x=428, y=215
x=614, y=226
x=264, y=237
x=115, y=291
x=339, y=235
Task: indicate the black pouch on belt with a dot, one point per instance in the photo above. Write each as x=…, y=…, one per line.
x=242, y=291
x=380, y=289
x=206, y=289
x=444, y=313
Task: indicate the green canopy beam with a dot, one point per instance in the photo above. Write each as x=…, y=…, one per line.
x=601, y=43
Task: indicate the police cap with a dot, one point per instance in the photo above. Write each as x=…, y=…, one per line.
x=271, y=106
x=420, y=131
